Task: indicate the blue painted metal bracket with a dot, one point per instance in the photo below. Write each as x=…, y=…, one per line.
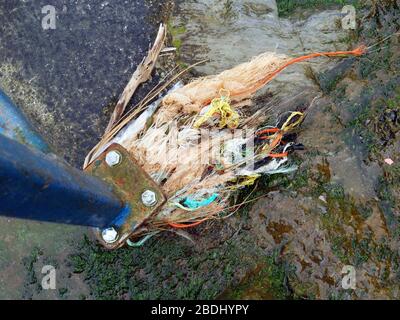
x=44, y=188
x=40, y=187
x=130, y=182
x=14, y=125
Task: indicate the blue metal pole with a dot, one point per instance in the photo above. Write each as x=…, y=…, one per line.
x=14, y=125
x=40, y=187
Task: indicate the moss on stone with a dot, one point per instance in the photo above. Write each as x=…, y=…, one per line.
x=288, y=7
x=267, y=281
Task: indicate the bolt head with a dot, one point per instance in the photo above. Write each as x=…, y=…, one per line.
x=109, y=235
x=149, y=198
x=113, y=158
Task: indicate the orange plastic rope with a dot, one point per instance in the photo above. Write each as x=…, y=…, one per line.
x=269, y=130
x=278, y=155
x=266, y=138
x=276, y=141
x=190, y=225
x=356, y=52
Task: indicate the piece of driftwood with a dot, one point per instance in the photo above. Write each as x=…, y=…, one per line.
x=142, y=74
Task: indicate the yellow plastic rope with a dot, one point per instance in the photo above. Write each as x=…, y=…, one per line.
x=228, y=116
x=287, y=126
x=244, y=181
x=249, y=180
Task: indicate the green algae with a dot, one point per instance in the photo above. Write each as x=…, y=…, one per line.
x=266, y=282
x=288, y=7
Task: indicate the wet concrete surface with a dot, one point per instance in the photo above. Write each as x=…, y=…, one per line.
x=67, y=79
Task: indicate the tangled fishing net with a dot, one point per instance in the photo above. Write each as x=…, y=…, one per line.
x=200, y=142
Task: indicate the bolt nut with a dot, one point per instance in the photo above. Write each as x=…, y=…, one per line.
x=109, y=235
x=149, y=198
x=113, y=158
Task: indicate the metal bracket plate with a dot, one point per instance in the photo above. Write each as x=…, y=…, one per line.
x=128, y=181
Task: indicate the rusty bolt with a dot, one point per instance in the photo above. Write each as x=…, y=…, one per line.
x=109, y=235
x=149, y=198
x=113, y=158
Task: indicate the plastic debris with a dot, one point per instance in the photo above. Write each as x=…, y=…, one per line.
x=194, y=171
x=221, y=106
x=389, y=161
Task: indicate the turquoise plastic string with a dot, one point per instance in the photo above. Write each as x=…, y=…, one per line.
x=141, y=241
x=195, y=204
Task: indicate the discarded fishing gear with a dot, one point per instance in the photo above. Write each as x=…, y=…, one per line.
x=198, y=143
